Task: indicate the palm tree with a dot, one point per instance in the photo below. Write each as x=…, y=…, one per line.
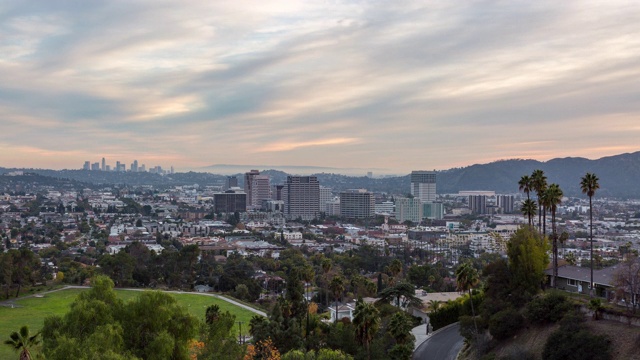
x=589, y=184
x=525, y=185
x=467, y=277
x=529, y=209
x=22, y=342
x=434, y=305
x=326, y=267
x=367, y=322
x=400, y=327
x=553, y=197
x=539, y=183
x=337, y=288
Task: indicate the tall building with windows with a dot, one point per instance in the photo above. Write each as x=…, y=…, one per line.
x=301, y=196
x=478, y=204
x=505, y=202
x=325, y=197
x=357, y=204
x=230, y=182
x=104, y=165
x=423, y=185
x=257, y=187
x=408, y=209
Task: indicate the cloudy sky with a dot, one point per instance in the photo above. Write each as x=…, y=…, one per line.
x=385, y=85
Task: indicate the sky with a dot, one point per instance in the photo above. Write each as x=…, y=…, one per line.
x=382, y=86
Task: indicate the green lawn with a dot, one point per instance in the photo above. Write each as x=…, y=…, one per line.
x=32, y=311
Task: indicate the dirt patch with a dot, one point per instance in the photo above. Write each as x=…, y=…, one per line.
x=625, y=339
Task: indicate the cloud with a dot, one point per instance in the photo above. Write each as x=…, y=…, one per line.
x=351, y=84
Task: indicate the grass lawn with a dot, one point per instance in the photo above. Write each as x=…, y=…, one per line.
x=32, y=311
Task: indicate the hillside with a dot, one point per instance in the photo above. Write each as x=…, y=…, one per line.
x=619, y=177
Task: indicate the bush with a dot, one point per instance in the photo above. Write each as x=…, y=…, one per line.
x=445, y=315
x=548, y=308
x=468, y=327
x=505, y=324
x=567, y=344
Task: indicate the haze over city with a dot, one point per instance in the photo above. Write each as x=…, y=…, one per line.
x=368, y=85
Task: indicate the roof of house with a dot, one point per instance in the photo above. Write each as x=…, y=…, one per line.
x=603, y=277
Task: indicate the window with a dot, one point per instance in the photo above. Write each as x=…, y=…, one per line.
x=572, y=282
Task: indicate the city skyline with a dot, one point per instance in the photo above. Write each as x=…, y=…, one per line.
x=388, y=87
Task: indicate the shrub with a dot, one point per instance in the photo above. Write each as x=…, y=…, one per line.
x=548, y=308
x=445, y=315
x=505, y=323
x=567, y=344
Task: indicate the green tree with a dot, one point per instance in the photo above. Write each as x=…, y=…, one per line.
x=367, y=322
x=539, y=183
x=399, y=327
x=467, y=278
x=552, y=198
x=529, y=209
x=220, y=342
x=589, y=184
x=23, y=342
x=525, y=185
x=401, y=294
x=527, y=253
x=337, y=288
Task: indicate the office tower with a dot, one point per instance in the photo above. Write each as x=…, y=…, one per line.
x=230, y=182
x=108, y=168
x=505, y=202
x=433, y=210
x=104, y=165
x=276, y=192
x=385, y=208
x=357, y=204
x=478, y=204
x=134, y=166
x=87, y=165
x=423, y=185
x=95, y=166
x=325, y=197
x=143, y=168
x=117, y=165
x=409, y=209
x=230, y=201
x=301, y=196
x=257, y=188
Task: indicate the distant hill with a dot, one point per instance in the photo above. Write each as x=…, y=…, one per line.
x=619, y=177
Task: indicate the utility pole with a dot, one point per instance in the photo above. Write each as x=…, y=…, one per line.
x=240, y=332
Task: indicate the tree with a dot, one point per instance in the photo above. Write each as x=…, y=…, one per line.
x=467, y=277
x=589, y=184
x=526, y=185
x=527, y=253
x=627, y=282
x=219, y=341
x=529, y=209
x=23, y=342
x=552, y=198
x=367, y=322
x=400, y=327
x=326, y=265
x=337, y=288
x=539, y=183
x=402, y=294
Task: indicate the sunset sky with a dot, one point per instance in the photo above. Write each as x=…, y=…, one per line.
x=385, y=85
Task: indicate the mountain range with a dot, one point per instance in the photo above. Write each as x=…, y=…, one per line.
x=619, y=177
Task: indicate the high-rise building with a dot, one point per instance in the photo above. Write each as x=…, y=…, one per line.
x=325, y=197
x=478, y=204
x=143, y=168
x=230, y=182
x=230, y=201
x=357, y=204
x=118, y=166
x=423, y=185
x=433, y=210
x=505, y=202
x=134, y=166
x=409, y=209
x=276, y=192
x=95, y=166
x=385, y=208
x=301, y=196
x=257, y=188
x=104, y=165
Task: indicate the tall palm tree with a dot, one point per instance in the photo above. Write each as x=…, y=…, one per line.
x=529, y=209
x=525, y=185
x=467, y=277
x=367, y=322
x=400, y=327
x=337, y=288
x=539, y=183
x=326, y=267
x=22, y=341
x=589, y=184
x=553, y=198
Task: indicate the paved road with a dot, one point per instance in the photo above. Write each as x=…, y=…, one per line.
x=445, y=344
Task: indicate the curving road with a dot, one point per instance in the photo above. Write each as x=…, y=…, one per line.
x=445, y=344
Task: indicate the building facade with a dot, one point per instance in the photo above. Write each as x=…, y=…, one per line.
x=301, y=197
x=423, y=185
x=357, y=204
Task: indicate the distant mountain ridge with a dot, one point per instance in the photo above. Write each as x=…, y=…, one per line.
x=619, y=177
